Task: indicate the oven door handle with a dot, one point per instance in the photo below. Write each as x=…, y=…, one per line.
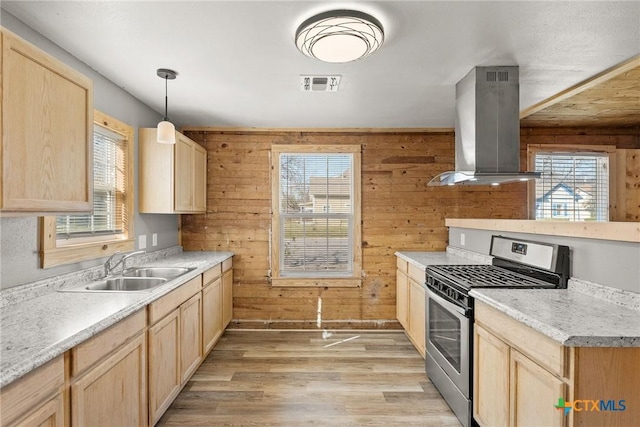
x=446, y=303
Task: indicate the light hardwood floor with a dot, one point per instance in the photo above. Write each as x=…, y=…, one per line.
x=292, y=378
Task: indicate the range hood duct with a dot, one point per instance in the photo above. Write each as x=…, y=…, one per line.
x=487, y=129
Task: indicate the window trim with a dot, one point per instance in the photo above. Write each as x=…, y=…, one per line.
x=53, y=253
x=355, y=280
x=533, y=149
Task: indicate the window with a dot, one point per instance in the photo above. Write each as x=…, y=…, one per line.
x=73, y=238
x=316, y=231
x=574, y=185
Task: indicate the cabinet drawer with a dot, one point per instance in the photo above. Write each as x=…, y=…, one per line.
x=227, y=264
x=417, y=274
x=401, y=264
x=32, y=389
x=211, y=274
x=541, y=349
x=86, y=354
x=165, y=305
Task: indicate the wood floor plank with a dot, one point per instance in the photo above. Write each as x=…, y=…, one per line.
x=310, y=378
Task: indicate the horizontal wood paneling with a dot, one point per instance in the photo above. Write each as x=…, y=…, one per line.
x=399, y=212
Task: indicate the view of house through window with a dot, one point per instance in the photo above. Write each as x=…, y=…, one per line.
x=316, y=217
x=573, y=187
x=109, y=191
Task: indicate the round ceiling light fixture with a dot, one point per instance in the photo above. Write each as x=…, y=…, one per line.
x=339, y=36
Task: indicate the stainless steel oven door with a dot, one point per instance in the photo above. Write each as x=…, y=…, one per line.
x=447, y=336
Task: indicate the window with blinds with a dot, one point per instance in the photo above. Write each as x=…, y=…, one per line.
x=109, y=191
x=316, y=214
x=573, y=186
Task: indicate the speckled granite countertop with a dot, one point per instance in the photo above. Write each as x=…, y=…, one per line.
x=574, y=317
x=453, y=256
x=34, y=331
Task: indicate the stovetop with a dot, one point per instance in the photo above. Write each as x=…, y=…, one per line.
x=486, y=276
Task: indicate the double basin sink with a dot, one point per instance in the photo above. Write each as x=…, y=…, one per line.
x=135, y=279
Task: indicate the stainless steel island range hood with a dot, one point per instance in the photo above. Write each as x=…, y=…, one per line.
x=487, y=129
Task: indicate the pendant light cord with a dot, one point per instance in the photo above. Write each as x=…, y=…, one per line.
x=166, y=98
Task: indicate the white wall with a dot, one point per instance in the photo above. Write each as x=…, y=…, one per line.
x=19, y=236
x=606, y=262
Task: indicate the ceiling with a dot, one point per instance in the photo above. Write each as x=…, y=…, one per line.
x=238, y=65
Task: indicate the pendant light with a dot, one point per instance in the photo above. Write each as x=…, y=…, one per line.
x=166, y=129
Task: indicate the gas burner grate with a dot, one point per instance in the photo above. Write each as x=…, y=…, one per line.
x=486, y=276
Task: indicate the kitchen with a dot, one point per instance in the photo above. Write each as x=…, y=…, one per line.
x=399, y=212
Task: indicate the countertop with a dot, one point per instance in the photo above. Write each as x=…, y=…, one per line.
x=453, y=256
x=39, y=329
x=570, y=316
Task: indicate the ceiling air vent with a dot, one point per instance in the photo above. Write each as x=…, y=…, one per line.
x=319, y=83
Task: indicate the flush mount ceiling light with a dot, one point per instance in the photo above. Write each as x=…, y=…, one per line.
x=166, y=129
x=339, y=36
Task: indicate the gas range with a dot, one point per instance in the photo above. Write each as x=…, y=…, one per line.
x=449, y=321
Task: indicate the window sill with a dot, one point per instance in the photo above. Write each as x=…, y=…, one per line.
x=326, y=282
x=82, y=252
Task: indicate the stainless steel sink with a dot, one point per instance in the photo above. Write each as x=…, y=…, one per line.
x=120, y=284
x=136, y=279
x=165, y=272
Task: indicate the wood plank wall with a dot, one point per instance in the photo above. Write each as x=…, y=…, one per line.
x=399, y=213
x=626, y=203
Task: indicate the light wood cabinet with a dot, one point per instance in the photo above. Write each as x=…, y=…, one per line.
x=109, y=376
x=227, y=296
x=190, y=336
x=519, y=375
x=164, y=364
x=36, y=398
x=172, y=178
x=175, y=344
x=410, y=302
x=417, y=312
x=114, y=392
x=402, y=294
x=211, y=314
x=47, y=133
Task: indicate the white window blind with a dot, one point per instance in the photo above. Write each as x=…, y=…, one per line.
x=573, y=187
x=109, y=190
x=316, y=215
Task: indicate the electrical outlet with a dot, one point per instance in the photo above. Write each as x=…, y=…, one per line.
x=462, y=239
x=154, y=239
x=142, y=241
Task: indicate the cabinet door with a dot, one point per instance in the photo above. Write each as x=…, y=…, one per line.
x=190, y=336
x=51, y=414
x=183, y=174
x=227, y=297
x=199, y=178
x=417, y=315
x=490, y=379
x=402, y=298
x=164, y=364
x=47, y=132
x=211, y=315
x=114, y=392
x=534, y=391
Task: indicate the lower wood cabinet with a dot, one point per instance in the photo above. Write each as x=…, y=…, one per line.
x=35, y=399
x=211, y=314
x=114, y=392
x=410, y=302
x=190, y=336
x=520, y=375
x=227, y=296
x=164, y=364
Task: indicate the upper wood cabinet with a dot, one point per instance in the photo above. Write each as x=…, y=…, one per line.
x=172, y=178
x=46, y=139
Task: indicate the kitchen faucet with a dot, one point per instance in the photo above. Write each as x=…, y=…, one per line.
x=108, y=268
